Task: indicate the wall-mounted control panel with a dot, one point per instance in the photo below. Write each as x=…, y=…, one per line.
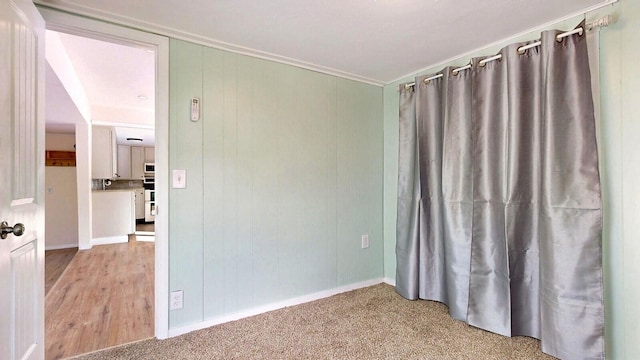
x=195, y=109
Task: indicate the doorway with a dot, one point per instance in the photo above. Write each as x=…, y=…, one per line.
x=157, y=46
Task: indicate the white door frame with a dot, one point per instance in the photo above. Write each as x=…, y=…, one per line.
x=78, y=25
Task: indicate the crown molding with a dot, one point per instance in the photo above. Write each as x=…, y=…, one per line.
x=62, y=5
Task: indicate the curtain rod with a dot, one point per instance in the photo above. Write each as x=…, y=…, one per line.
x=602, y=22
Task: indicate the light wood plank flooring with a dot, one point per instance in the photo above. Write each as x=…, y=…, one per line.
x=105, y=298
x=146, y=227
x=55, y=261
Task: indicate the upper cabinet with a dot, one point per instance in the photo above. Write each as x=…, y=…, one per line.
x=131, y=160
x=149, y=155
x=124, y=162
x=104, y=157
x=137, y=162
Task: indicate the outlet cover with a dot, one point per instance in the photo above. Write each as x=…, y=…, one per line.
x=365, y=241
x=175, y=303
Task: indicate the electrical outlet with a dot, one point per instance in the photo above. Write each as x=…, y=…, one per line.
x=175, y=302
x=364, y=239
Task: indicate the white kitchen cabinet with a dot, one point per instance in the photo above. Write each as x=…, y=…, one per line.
x=113, y=216
x=149, y=155
x=104, y=153
x=124, y=162
x=137, y=162
x=139, y=204
x=131, y=160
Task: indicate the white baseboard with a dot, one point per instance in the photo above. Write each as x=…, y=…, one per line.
x=390, y=281
x=110, y=240
x=147, y=238
x=58, y=247
x=273, y=306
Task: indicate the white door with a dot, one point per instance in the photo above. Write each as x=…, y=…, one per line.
x=21, y=180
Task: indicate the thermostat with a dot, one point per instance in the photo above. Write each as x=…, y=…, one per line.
x=195, y=109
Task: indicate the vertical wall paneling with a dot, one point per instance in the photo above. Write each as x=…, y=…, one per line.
x=611, y=178
x=266, y=178
x=331, y=233
x=213, y=177
x=284, y=173
x=375, y=174
x=244, y=181
x=230, y=185
x=629, y=30
x=391, y=134
x=313, y=153
x=291, y=257
x=348, y=216
x=186, y=217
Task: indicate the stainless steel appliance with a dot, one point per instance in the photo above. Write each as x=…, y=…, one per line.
x=149, y=205
x=149, y=168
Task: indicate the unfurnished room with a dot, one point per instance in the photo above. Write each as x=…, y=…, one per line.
x=370, y=179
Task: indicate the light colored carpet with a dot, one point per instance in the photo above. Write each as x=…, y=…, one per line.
x=369, y=323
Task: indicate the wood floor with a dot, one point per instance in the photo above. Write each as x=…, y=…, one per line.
x=105, y=298
x=146, y=227
x=55, y=261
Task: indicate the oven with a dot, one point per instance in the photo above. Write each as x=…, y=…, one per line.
x=149, y=205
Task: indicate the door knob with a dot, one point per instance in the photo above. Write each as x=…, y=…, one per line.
x=5, y=229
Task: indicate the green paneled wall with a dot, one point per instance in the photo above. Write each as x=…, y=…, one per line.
x=284, y=173
x=620, y=174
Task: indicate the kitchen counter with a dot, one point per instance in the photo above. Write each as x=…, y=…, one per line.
x=113, y=217
x=115, y=190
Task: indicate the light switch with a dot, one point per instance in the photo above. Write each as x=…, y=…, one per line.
x=179, y=179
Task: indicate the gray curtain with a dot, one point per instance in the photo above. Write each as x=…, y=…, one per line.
x=499, y=209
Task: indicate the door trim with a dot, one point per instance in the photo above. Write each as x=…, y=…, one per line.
x=78, y=25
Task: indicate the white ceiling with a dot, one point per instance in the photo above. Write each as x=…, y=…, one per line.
x=114, y=77
x=118, y=82
x=377, y=41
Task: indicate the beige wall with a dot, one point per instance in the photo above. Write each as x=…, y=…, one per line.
x=60, y=142
x=61, y=205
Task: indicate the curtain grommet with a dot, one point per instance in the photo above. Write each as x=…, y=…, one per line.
x=485, y=61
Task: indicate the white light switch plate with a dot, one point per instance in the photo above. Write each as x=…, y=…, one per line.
x=179, y=179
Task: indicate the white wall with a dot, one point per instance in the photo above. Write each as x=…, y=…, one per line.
x=60, y=142
x=61, y=208
x=61, y=204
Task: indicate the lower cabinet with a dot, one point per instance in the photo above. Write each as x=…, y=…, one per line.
x=140, y=204
x=113, y=216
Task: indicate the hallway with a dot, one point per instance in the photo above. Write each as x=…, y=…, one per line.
x=104, y=298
